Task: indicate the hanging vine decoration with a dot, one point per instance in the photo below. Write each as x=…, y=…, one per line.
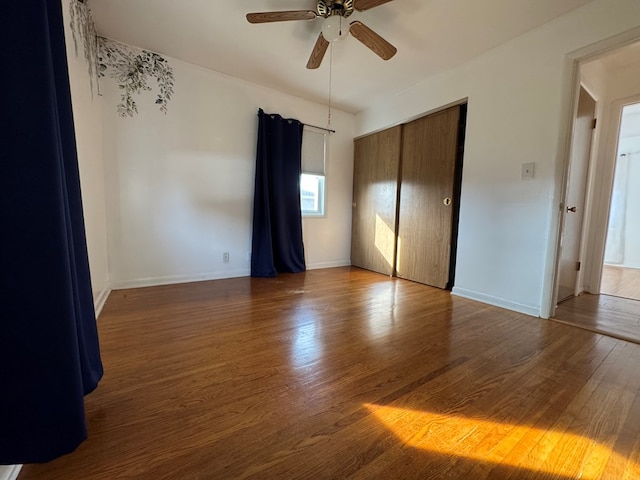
x=83, y=30
x=131, y=68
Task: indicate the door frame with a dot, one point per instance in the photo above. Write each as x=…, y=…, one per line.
x=602, y=204
x=571, y=89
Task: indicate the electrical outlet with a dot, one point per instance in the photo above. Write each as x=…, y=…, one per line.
x=528, y=171
x=225, y=257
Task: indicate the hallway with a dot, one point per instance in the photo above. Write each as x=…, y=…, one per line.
x=610, y=315
x=621, y=282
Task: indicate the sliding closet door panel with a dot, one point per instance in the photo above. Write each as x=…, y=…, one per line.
x=429, y=151
x=375, y=192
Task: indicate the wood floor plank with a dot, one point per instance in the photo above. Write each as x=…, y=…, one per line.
x=344, y=373
x=548, y=435
x=519, y=401
x=609, y=315
x=555, y=383
x=627, y=442
x=580, y=453
x=494, y=404
x=620, y=282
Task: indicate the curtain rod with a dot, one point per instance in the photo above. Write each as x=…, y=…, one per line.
x=320, y=128
x=305, y=124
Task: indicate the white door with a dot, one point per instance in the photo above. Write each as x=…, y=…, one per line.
x=573, y=209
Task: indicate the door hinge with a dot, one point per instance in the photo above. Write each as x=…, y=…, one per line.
x=578, y=266
x=595, y=122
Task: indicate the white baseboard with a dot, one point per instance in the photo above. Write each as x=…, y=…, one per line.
x=173, y=279
x=338, y=263
x=9, y=472
x=496, y=301
x=620, y=265
x=101, y=300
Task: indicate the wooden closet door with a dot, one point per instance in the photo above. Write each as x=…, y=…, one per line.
x=429, y=152
x=375, y=196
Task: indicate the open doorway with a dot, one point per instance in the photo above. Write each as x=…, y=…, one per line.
x=621, y=268
x=602, y=297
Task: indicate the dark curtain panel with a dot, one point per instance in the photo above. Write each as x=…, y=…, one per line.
x=277, y=221
x=49, y=354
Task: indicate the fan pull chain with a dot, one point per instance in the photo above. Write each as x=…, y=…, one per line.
x=330, y=82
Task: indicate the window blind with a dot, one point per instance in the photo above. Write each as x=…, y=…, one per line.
x=313, y=151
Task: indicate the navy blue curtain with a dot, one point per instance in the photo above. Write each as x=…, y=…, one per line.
x=277, y=221
x=49, y=354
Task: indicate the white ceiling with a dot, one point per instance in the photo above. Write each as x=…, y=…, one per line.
x=431, y=36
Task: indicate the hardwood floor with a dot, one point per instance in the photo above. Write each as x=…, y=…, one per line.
x=343, y=373
x=621, y=282
x=609, y=315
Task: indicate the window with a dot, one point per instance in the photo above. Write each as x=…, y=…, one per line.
x=312, y=194
x=313, y=175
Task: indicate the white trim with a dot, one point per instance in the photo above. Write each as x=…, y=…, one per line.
x=337, y=263
x=173, y=279
x=9, y=472
x=99, y=302
x=496, y=301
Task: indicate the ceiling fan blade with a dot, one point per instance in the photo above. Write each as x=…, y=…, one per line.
x=318, y=52
x=372, y=40
x=284, y=16
x=362, y=5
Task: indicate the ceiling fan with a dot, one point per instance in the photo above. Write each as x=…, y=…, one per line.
x=334, y=27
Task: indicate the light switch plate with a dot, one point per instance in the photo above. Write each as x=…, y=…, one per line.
x=528, y=171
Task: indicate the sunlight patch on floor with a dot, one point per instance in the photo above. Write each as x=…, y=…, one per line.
x=557, y=453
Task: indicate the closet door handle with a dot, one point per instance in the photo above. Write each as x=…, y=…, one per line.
x=571, y=209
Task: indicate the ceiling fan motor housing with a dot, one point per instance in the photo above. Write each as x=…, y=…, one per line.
x=334, y=26
x=326, y=8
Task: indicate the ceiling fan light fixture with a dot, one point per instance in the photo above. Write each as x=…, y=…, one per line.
x=334, y=28
x=334, y=15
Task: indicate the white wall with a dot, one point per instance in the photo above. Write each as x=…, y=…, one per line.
x=180, y=186
x=88, y=125
x=632, y=230
x=624, y=249
x=518, y=113
x=593, y=77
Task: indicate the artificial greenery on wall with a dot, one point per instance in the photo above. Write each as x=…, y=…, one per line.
x=83, y=30
x=130, y=67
